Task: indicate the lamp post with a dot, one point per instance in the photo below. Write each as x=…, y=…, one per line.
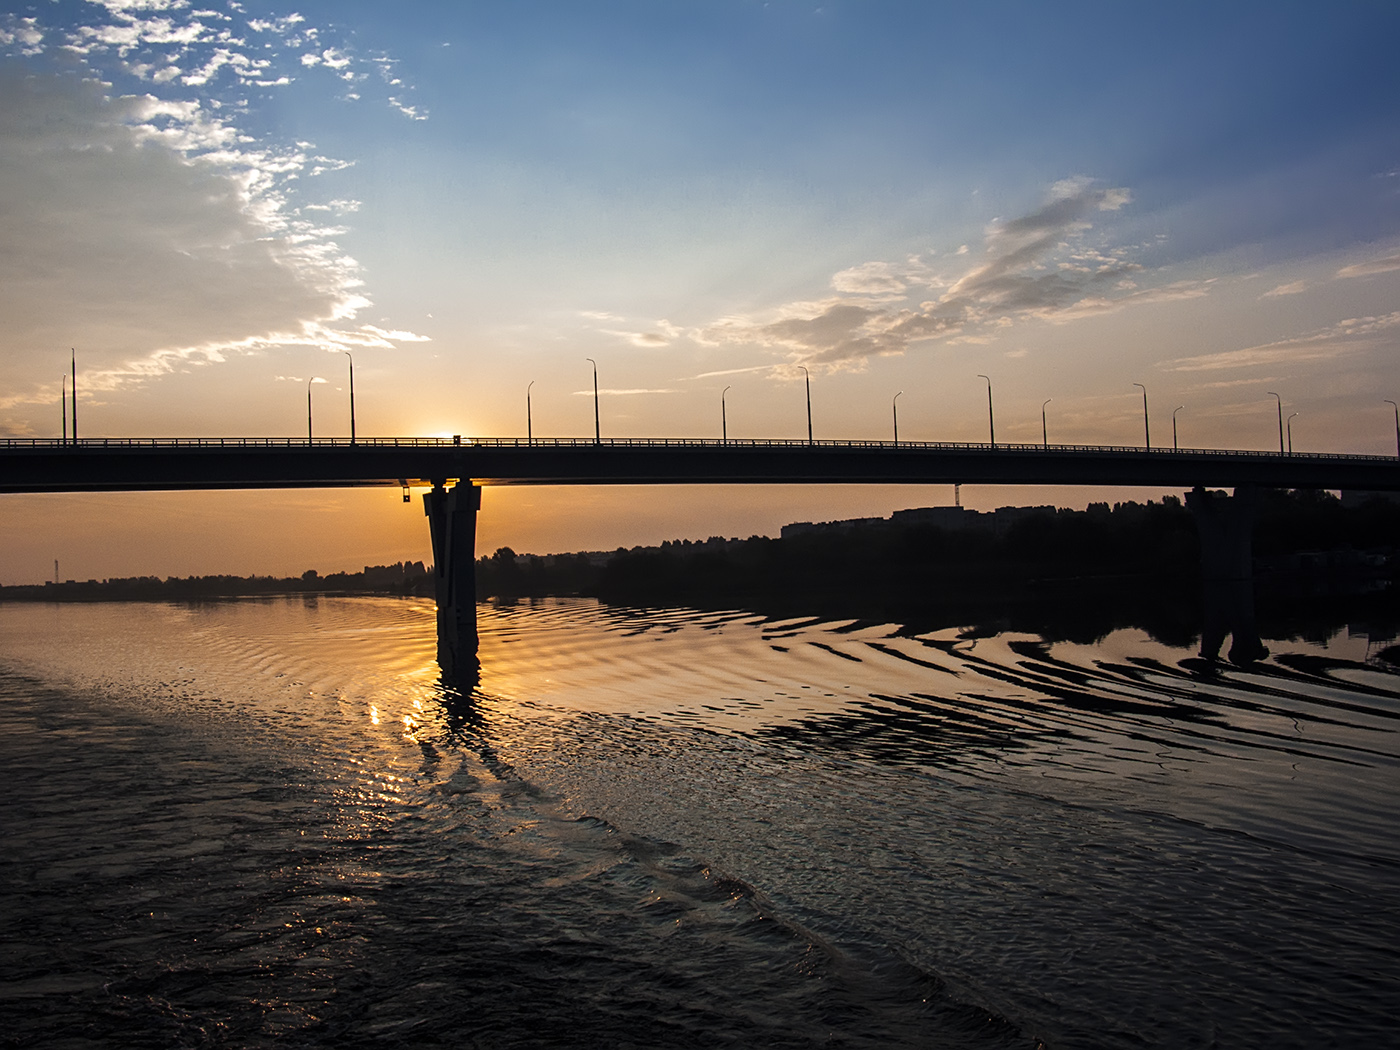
x=991, y=420
x=352, y=394
x=1280, y=419
x=894, y=407
x=1146, y=429
x=1177, y=409
x=1290, y=432
x=75, y=394
x=65, y=408
x=529, y=417
x=308, y=408
x=597, y=427
x=723, y=418
x=1393, y=405
x=807, y=377
x=1044, y=431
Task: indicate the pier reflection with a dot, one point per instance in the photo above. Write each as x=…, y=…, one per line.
x=1227, y=608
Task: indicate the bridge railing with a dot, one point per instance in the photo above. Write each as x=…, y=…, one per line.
x=737, y=444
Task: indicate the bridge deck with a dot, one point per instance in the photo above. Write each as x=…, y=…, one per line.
x=126, y=464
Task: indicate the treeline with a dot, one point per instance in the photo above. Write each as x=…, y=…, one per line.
x=1044, y=569
x=399, y=578
x=1064, y=573
x=885, y=570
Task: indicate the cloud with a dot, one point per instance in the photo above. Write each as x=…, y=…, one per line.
x=1387, y=264
x=392, y=336
x=1343, y=338
x=1039, y=265
x=1292, y=288
x=173, y=43
x=661, y=333
x=411, y=112
x=880, y=279
x=144, y=225
x=1127, y=294
x=623, y=393
x=734, y=371
x=152, y=237
x=1013, y=275
x=22, y=34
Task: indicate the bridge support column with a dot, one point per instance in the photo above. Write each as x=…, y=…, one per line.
x=452, y=522
x=1225, y=525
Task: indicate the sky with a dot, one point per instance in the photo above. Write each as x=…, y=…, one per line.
x=211, y=203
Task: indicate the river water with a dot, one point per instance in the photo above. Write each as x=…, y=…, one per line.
x=267, y=823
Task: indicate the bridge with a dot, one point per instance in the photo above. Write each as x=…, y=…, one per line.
x=455, y=468
x=145, y=464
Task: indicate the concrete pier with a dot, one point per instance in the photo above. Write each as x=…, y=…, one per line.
x=1225, y=525
x=452, y=522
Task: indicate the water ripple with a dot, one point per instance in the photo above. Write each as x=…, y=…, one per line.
x=257, y=823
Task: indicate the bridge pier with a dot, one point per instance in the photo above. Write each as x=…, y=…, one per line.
x=452, y=523
x=1225, y=525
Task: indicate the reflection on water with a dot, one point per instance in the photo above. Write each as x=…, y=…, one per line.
x=267, y=822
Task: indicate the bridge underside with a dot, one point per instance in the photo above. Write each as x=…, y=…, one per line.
x=97, y=466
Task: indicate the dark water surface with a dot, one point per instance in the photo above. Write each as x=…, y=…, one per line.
x=265, y=823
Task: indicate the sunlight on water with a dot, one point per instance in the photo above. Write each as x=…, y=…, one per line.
x=260, y=821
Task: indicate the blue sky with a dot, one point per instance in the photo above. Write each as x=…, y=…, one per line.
x=211, y=201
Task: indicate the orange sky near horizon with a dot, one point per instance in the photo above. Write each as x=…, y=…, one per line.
x=285, y=532
x=215, y=206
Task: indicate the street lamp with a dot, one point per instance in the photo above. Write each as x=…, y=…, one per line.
x=723, y=417
x=894, y=407
x=1280, y=419
x=529, y=419
x=597, y=428
x=1393, y=405
x=1044, y=432
x=1177, y=409
x=65, y=408
x=1290, y=433
x=991, y=420
x=75, y=394
x=808, y=379
x=352, y=394
x=313, y=379
x=1146, y=430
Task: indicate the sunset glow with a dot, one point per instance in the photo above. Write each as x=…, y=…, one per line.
x=210, y=206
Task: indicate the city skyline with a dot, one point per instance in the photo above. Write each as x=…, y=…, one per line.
x=712, y=201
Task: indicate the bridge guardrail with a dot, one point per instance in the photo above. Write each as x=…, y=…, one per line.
x=754, y=444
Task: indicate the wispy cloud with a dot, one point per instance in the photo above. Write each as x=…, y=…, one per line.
x=605, y=391
x=21, y=34
x=646, y=336
x=177, y=44
x=150, y=230
x=1292, y=288
x=735, y=371
x=1385, y=264
x=1343, y=338
x=1040, y=265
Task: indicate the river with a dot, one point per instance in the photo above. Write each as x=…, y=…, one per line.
x=265, y=823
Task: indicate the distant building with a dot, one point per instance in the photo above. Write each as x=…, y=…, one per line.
x=1355, y=498
x=799, y=528
x=951, y=518
x=392, y=575
x=1005, y=517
